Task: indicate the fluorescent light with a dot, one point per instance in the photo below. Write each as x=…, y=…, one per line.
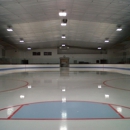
x=63, y=37
x=63, y=44
x=99, y=48
x=62, y=13
x=9, y=29
x=21, y=41
x=29, y=48
x=106, y=40
x=22, y=96
x=63, y=24
x=119, y=29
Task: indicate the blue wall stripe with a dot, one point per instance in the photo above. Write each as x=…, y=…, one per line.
x=103, y=68
x=6, y=69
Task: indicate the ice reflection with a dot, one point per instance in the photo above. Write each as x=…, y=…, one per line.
x=99, y=86
x=29, y=86
x=22, y=96
x=119, y=109
x=10, y=111
x=106, y=96
x=63, y=99
x=64, y=115
x=63, y=90
x=63, y=128
x=64, y=71
x=63, y=125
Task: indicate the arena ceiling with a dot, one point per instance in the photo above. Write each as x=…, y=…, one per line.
x=89, y=23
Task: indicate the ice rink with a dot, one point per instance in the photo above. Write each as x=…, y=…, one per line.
x=65, y=100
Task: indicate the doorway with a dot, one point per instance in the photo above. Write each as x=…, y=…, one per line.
x=64, y=62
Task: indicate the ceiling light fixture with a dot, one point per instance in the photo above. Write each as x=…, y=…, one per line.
x=63, y=44
x=9, y=29
x=21, y=40
x=63, y=36
x=63, y=24
x=64, y=20
x=29, y=48
x=99, y=48
x=106, y=40
x=62, y=13
x=119, y=29
x=64, y=47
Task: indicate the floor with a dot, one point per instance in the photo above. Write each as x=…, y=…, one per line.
x=65, y=101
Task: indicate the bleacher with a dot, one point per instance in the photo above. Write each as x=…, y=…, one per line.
x=4, y=61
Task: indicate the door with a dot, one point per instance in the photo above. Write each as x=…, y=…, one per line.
x=64, y=62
